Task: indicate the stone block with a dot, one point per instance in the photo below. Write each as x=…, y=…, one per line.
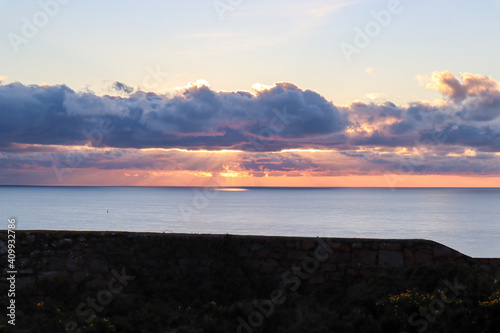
x=352, y=272
x=441, y=251
x=318, y=279
x=79, y=277
x=3, y=247
x=421, y=257
x=409, y=258
x=28, y=240
x=335, y=245
x=56, y=263
x=365, y=272
x=364, y=258
x=336, y=277
x=96, y=284
x=340, y=257
x=342, y=266
x=269, y=262
x=495, y=262
x=308, y=244
x=342, y=247
x=54, y=275
x=24, y=262
x=266, y=269
x=242, y=252
x=262, y=253
x=75, y=261
x=278, y=256
x=99, y=265
x=392, y=246
x=61, y=243
x=391, y=258
x=328, y=267
x=256, y=246
x=25, y=282
x=295, y=255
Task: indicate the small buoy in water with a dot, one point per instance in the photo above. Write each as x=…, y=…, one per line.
x=107, y=211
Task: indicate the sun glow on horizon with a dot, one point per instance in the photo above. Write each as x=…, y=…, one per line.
x=230, y=189
x=184, y=150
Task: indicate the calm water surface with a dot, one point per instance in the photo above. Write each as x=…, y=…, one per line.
x=465, y=219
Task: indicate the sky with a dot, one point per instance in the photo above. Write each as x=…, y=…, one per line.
x=250, y=93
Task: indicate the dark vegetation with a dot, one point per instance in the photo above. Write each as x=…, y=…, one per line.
x=446, y=297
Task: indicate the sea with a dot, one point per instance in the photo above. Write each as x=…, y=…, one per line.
x=466, y=219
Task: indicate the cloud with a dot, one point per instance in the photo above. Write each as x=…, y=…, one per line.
x=121, y=87
x=471, y=119
x=36, y=114
x=470, y=85
x=270, y=118
x=196, y=117
x=376, y=96
x=71, y=163
x=448, y=84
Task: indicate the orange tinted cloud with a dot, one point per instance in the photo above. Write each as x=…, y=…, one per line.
x=278, y=135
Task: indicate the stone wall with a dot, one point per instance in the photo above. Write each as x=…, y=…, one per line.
x=231, y=267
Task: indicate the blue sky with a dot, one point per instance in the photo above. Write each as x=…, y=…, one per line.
x=262, y=93
x=94, y=43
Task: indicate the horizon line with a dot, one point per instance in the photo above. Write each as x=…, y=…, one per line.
x=265, y=187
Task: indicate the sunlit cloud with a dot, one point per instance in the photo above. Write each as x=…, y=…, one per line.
x=458, y=90
x=260, y=87
x=279, y=134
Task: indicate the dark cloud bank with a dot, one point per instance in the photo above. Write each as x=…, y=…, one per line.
x=281, y=117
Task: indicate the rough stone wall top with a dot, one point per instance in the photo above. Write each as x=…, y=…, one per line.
x=87, y=259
